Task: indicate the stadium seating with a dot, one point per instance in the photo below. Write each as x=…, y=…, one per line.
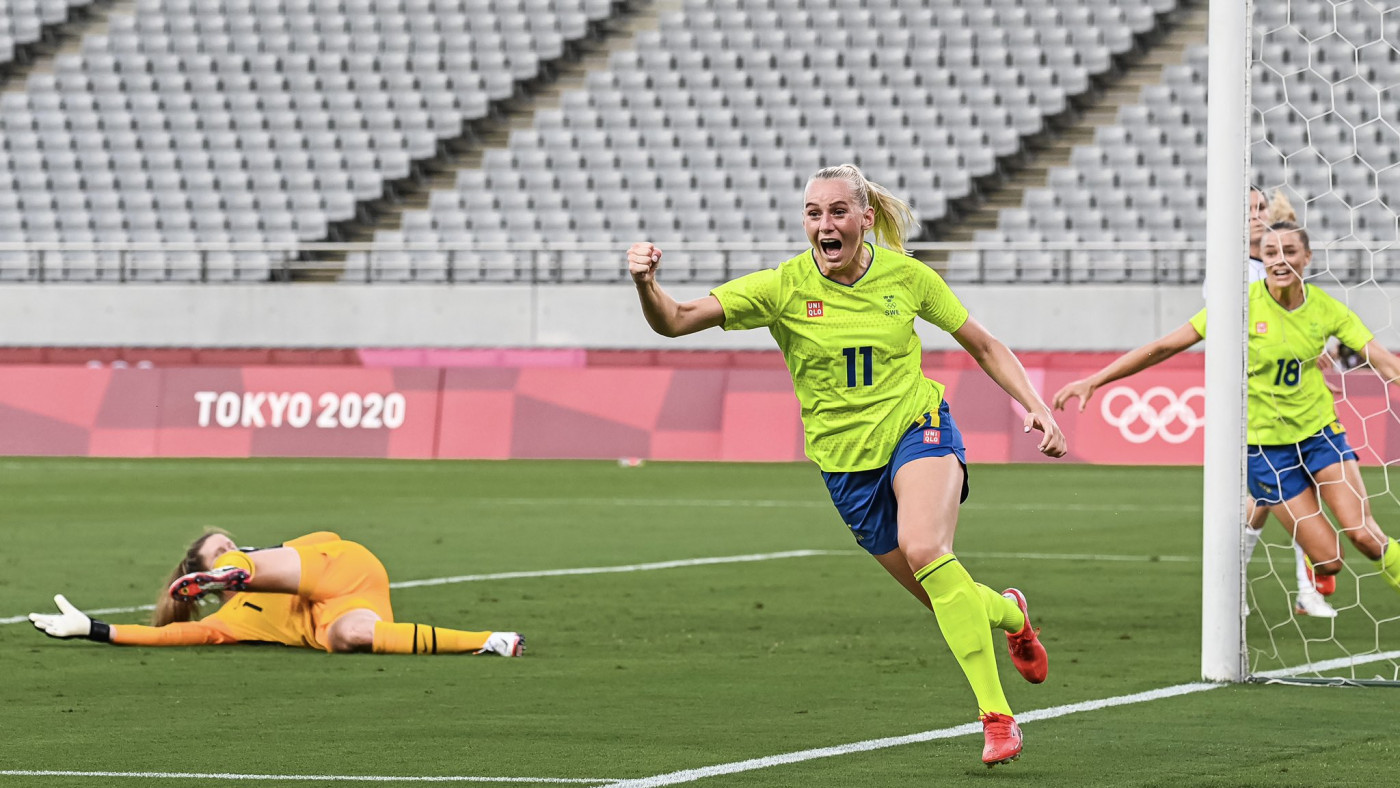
x=272, y=120
x=250, y=121
x=707, y=128
x=23, y=22
x=1324, y=146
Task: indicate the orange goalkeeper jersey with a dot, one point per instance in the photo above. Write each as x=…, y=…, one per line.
x=247, y=617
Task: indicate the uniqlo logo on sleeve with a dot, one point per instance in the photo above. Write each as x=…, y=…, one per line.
x=1261, y=327
x=814, y=309
x=930, y=436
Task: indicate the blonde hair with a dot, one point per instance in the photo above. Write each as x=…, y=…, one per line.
x=169, y=611
x=893, y=216
x=1280, y=209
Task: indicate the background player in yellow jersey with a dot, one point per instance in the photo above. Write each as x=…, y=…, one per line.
x=842, y=312
x=1297, y=449
x=317, y=591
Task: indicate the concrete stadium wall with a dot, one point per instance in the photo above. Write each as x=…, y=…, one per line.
x=1026, y=317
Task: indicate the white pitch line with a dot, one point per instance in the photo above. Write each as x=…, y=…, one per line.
x=732, y=559
x=348, y=778
x=691, y=775
x=604, y=570
x=1329, y=664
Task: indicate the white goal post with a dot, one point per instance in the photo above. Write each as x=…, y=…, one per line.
x=1223, y=654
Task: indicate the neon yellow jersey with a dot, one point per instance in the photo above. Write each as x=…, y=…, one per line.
x=852, y=352
x=1288, y=396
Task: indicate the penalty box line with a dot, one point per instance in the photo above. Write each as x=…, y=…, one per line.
x=687, y=562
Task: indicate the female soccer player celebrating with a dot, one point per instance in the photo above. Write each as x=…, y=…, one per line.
x=317, y=591
x=1298, y=450
x=842, y=313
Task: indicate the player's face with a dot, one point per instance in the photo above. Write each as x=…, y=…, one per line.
x=1258, y=216
x=835, y=223
x=1285, y=257
x=213, y=547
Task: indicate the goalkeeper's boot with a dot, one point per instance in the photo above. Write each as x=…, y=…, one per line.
x=1325, y=584
x=1027, y=653
x=507, y=644
x=194, y=585
x=1311, y=603
x=1003, y=739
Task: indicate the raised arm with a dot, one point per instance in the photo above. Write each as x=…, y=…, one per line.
x=1134, y=361
x=1386, y=364
x=1002, y=366
x=664, y=314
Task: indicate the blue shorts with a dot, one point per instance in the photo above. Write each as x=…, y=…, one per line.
x=1280, y=473
x=866, y=499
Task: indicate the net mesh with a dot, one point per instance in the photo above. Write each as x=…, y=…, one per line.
x=1325, y=140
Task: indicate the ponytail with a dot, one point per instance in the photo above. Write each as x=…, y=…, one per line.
x=893, y=217
x=168, y=610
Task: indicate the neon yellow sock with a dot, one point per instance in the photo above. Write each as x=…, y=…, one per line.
x=1390, y=564
x=235, y=558
x=962, y=617
x=409, y=638
x=1002, y=613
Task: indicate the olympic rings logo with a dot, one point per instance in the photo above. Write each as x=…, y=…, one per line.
x=1157, y=412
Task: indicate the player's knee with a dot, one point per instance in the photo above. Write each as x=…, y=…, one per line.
x=350, y=634
x=920, y=556
x=1327, y=567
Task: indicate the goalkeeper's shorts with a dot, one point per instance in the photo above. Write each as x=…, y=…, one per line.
x=1281, y=473
x=866, y=499
x=338, y=577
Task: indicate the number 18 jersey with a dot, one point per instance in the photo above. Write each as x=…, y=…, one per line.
x=854, y=357
x=1288, y=395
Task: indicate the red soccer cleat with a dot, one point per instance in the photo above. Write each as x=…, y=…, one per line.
x=190, y=587
x=1325, y=584
x=1027, y=653
x=1003, y=737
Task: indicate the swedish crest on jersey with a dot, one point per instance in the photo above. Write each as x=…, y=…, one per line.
x=891, y=308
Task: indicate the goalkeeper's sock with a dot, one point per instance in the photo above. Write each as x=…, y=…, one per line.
x=409, y=638
x=1002, y=612
x=1389, y=564
x=962, y=617
x=1251, y=540
x=236, y=558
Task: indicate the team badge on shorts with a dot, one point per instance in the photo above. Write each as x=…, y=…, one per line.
x=930, y=436
x=814, y=309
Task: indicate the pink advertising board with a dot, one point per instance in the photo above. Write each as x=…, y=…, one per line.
x=581, y=405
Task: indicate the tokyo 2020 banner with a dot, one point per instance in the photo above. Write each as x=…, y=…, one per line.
x=630, y=406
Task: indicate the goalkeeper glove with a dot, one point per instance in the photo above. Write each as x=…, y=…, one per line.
x=70, y=623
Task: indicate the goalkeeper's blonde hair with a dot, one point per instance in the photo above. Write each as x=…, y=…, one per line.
x=893, y=217
x=168, y=610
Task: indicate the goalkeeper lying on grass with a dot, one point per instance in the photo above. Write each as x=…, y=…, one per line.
x=317, y=591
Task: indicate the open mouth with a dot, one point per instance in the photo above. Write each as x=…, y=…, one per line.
x=830, y=246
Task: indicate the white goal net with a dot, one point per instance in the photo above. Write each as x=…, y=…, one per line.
x=1325, y=135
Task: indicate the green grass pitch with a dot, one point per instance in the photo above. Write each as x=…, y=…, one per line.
x=635, y=674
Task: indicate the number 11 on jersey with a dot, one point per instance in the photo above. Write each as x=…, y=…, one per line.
x=867, y=355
